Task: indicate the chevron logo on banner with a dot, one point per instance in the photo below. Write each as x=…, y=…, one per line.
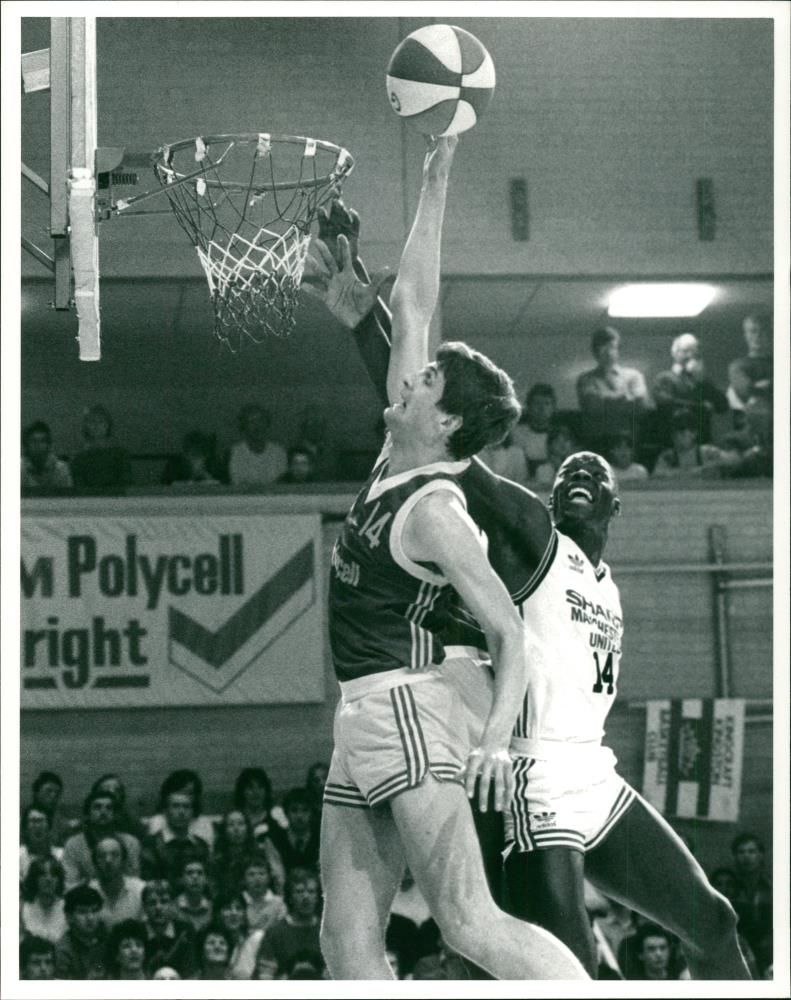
x=693, y=757
x=217, y=657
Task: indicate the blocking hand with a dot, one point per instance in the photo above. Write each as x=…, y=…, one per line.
x=348, y=297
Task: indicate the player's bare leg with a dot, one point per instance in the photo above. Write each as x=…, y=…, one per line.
x=644, y=865
x=361, y=868
x=548, y=887
x=438, y=836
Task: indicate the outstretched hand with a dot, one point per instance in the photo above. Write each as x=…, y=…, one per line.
x=439, y=156
x=334, y=281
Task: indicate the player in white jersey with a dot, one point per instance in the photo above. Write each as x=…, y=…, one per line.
x=573, y=816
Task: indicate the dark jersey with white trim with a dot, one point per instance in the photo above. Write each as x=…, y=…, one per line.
x=385, y=611
x=521, y=544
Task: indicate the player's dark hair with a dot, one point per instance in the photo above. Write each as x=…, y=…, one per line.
x=481, y=394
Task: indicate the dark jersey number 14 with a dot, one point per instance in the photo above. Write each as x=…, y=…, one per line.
x=603, y=676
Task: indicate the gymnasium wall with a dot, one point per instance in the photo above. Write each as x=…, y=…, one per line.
x=609, y=120
x=668, y=651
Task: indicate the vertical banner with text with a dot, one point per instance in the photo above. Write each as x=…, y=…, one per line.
x=170, y=610
x=693, y=757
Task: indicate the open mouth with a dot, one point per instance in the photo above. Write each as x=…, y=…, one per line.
x=580, y=495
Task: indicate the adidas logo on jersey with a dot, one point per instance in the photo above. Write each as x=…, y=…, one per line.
x=576, y=563
x=543, y=820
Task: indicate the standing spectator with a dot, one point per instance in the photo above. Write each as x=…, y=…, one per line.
x=122, y=895
x=187, y=782
x=165, y=852
x=253, y=795
x=685, y=387
x=506, y=459
x=620, y=454
x=124, y=820
x=315, y=439
x=753, y=896
x=298, y=844
x=214, y=953
x=754, y=372
x=263, y=906
x=315, y=781
x=300, y=466
x=197, y=462
x=47, y=794
x=530, y=434
x=170, y=942
x=36, y=958
x=234, y=845
x=230, y=912
x=561, y=442
x=612, y=398
x=687, y=457
x=42, y=912
x=754, y=446
x=193, y=904
x=255, y=460
x=41, y=468
x=99, y=821
x=126, y=950
x=36, y=839
x=101, y=465
x=80, y=953
x=298, y=930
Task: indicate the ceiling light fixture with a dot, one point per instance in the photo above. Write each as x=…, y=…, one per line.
x=657, y=300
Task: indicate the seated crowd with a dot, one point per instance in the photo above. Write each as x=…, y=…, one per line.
x=182, y=895
x=683, y=426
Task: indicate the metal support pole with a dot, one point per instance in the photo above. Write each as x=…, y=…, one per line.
x=60, y=155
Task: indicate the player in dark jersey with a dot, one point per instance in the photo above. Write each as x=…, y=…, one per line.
x=395, y=792
x=633, y=856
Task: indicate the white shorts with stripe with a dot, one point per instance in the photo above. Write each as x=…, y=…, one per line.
x=570, y=802
x=388, y=739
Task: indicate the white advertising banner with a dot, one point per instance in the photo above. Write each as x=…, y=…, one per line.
x=170, y=610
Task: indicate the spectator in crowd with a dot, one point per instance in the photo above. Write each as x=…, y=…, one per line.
x=101, y=465
x=193, y=903
x=35, y=830
x=99, y=814
x=256, y=460
x=612, y=923
x=41, y=468
x=126, y=950
x=753, y=373
x=170, y=942
x=300, y=466
x=530, y=434
x=253, y=795
x=752, y=450
x=506, y=459
x=42, y=912
x=214, y=953
x=685, y=387
x=612, y=398
x=234, y=844
x=47, y=795
x=124, y=820
x=230, y=912
x=187, y=782
x=561, y=442
x=653, y=951
x=298, y=844
x=620, y=454
x=80, y=953
x=298, y=930
x=263, y=905
x=753, y=896
x=122, y=895
x=315, y=781
x=36, y=958
x=197, y=462
x=314, y=438
x=165, y=852
x=724, y=881
x=687, y=456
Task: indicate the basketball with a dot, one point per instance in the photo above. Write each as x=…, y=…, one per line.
x=440, y=80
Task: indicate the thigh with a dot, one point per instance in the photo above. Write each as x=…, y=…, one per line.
x=645, y=865
x=361, y=864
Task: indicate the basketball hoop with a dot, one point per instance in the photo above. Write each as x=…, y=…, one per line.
x=247, y=203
